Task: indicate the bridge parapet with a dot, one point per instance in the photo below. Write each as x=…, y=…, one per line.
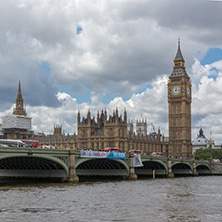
x=71, y=164
x=216, y=168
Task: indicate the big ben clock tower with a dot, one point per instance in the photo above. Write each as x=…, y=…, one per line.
x=179, y=100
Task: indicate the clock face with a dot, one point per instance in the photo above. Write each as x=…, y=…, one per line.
x=188, y=90
x=176, y=90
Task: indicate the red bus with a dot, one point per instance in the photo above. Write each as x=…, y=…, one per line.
x=157, y=154
x=136, y=151
x=32, y=143
x=109, y=149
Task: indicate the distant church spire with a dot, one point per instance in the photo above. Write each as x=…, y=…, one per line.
x=19, y=109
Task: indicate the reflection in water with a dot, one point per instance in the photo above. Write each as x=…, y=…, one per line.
x=179, y=199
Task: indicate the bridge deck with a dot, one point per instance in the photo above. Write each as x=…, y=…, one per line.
x=17, y=162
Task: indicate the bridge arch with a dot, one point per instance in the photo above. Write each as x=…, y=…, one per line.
x=101, y=167
x=38, y=166
x=203, y=169
x=182, y=168
x=150, y=165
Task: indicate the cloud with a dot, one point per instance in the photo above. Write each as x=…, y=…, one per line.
x=206, y=104
x=44, y=118
x=123, y=47
x=38, y=88
x=151, y=104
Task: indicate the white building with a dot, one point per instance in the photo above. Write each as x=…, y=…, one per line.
x=202, y=142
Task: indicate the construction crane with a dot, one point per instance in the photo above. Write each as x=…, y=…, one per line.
x=153, y=132
x=153, y=128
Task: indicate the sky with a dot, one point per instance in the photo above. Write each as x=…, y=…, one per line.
x=85, y=55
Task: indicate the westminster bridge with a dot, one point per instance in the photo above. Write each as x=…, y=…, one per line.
x=69, y=165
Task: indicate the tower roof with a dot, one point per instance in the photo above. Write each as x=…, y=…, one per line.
x=179, y=55
x=179, y=64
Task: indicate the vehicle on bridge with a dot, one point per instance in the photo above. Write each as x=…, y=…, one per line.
x=113, y=149
x=12, y=143
x=136, y=151
x=32, y=143
x=48, y=147
x=157, y=154
x=216, y=161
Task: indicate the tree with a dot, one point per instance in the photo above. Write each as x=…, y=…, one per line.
x=208, y=154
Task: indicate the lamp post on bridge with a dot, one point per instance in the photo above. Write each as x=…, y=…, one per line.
x=167, y=151
x=195, y=173
x=170, y=173
x=220, y=151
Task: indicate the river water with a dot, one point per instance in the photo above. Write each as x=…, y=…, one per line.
x=178, y=199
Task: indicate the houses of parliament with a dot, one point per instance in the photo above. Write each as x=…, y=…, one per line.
x=113, y=130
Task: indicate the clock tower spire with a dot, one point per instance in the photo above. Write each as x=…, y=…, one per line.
x=179, y=101
x=179, y=63
x=179, y=57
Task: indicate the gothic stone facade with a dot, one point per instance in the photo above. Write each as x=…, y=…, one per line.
x=113, y=131
x=104, y=132
x=57, y=139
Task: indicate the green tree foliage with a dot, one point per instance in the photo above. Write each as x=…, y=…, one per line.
x=208, y=154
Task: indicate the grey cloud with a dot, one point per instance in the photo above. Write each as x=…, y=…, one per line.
x=124, y=45
x=132, y=43
x=37, y=89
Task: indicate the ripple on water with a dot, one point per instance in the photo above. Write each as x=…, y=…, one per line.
x=41, y=210
x=179, y=199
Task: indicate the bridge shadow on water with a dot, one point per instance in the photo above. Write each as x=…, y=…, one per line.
x=100, y=178
x=52, y=181
x=27, y=181
x=150, y=177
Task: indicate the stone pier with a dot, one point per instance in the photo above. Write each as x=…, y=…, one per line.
x=170, y=173
x=132, y=174
x=73, y=178
x=195, y=173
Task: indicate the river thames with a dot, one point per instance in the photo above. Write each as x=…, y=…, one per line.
x=178, y=199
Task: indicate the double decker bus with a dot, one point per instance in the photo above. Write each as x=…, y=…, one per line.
x=12, y=143
x=157, y=154
x=32, y=143
x=136, y=151
x=113, y=149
